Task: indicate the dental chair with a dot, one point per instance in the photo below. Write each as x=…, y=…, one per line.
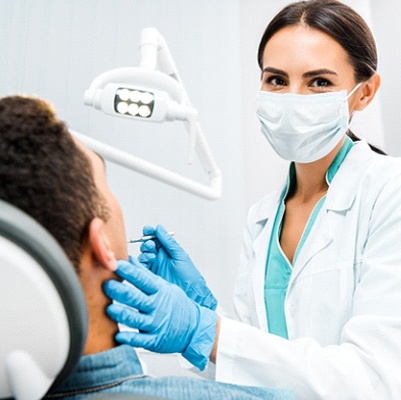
x=43, y=315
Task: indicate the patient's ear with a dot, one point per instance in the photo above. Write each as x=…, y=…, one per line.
x=100, y=244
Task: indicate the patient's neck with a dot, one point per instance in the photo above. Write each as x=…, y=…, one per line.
x=101, y=330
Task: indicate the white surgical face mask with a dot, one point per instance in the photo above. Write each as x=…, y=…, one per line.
x=303, y=128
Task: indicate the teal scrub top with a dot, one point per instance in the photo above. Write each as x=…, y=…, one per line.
x=278, y=267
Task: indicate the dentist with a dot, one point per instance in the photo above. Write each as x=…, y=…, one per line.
x=318, y=294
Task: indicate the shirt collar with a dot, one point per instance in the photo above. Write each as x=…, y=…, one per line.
x=102, y=369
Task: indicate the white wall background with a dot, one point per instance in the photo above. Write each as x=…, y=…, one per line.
x=54, y=48
x=380, y=123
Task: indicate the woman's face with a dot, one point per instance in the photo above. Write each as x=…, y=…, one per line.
x=304, y=60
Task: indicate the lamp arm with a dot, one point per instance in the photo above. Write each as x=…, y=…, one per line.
x=211, y=192
x=155, y=52
x=154, y=49
x=205, y=155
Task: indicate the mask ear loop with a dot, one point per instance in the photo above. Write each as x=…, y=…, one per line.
x=354, y=90
x=349, y=95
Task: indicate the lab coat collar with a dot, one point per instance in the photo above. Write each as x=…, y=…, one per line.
x=342, y=191
x=343, y=188
x=267, y=208
x=340, y=197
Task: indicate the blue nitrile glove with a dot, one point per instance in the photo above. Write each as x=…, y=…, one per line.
x=167, y=319
x=167, y=259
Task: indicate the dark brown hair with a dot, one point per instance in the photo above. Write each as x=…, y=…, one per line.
x=45, y=174
x=338, y=21
x=341, y=23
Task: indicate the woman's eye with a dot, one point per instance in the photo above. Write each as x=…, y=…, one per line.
x=320, y=82
x=276, y=81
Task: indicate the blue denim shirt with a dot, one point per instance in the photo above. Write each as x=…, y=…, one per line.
x=119, y=371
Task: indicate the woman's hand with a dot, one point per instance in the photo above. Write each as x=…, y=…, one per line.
x=168, y=321
x=167, y=259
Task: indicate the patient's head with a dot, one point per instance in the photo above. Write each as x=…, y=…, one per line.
x=62, y=184
x=45, y=174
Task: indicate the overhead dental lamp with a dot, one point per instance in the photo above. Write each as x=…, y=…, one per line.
x=146, y=94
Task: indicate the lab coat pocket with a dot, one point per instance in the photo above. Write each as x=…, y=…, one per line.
x=321, y=297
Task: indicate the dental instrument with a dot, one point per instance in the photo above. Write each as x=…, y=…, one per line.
x=147, y=237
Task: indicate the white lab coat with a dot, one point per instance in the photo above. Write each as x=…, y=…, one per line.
x=343, y=305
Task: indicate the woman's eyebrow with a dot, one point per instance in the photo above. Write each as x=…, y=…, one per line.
x=275, y=71
x=316, y=72
x=309, y=74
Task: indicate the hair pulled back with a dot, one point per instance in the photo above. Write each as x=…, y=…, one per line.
x=337, y=20
x=342, y=24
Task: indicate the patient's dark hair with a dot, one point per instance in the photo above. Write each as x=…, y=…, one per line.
x=44, y=173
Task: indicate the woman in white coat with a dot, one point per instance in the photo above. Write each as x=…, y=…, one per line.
x=318, y=296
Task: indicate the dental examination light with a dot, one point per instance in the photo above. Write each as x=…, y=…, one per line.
x=146, y=94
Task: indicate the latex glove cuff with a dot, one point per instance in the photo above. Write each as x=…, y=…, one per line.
x=202, y=341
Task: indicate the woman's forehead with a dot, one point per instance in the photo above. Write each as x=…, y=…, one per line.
x=302, y=44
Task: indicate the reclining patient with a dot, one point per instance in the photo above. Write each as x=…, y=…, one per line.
x=58, y=181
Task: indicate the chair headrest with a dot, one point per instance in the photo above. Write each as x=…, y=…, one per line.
x=43, y=315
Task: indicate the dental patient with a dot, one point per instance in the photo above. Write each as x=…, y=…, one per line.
x=62, y=184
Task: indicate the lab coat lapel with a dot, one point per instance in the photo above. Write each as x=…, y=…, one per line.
x=340, y=198
x=265, y=218
x=319, y=238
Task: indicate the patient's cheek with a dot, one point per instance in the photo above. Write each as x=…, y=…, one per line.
x=117, y=236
